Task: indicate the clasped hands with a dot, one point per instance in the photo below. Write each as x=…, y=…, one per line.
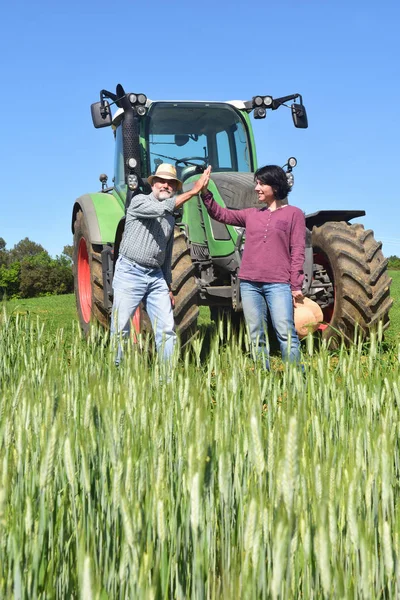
x=200, y=186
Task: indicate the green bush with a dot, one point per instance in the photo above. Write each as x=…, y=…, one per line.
x=394, y=263
x=10, y=280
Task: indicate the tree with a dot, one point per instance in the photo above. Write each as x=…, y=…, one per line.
x=394, y=262
x=33, y=280
x=3, y=252
x=10, y=280
x=42, y=275
x=25, y=249
x=68, y=251
x=28, y=270
x=61, y=279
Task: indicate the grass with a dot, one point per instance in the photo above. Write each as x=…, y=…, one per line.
x=60, y=312
x=55, y=312
x=393, y=333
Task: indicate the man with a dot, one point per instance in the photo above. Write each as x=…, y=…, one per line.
x=143, y=267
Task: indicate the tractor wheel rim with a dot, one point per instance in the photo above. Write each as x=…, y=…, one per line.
x=321, y=258
x=136, y=324
x=84, y=283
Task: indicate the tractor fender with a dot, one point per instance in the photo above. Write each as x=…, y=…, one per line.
x=323, y=216
x=103, y=213
x=308, y=263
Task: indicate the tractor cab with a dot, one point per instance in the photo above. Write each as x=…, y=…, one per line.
x=195, y=134
x=190, y=136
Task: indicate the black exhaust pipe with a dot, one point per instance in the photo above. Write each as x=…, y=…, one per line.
x=130, y=135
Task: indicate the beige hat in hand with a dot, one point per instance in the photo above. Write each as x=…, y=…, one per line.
x=307, y=316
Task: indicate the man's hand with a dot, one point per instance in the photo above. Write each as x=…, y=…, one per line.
x=171, y=297
x=201, y=184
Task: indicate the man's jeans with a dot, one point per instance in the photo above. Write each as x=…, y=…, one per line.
x=133, y=284
x=276, y=298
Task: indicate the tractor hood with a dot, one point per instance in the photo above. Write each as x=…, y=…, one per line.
x=237, y=190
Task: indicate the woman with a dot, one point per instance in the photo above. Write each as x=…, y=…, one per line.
x=271, y=273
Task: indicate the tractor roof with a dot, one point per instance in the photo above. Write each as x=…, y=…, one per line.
x=238, y=104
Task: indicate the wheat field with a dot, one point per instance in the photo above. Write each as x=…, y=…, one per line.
x=214, y=480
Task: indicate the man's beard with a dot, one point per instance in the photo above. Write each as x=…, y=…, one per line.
x=163, y=194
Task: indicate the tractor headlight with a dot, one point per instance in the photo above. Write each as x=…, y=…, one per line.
x=260, y=112
x=257, y=101
x=132, y=181
x=138, y=101
x=132, y=162
x=290, y=179
x=268, y=100
x=292, y=162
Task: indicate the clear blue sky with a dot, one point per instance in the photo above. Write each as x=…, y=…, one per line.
x=341, y=55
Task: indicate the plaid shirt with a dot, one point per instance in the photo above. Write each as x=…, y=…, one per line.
x=148, y=235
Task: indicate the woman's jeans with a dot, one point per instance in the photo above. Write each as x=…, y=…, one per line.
x=276, y=298
x=133, y=284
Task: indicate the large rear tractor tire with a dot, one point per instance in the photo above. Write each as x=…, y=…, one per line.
x=355, y=283
x=184, y=287
x=88, y=278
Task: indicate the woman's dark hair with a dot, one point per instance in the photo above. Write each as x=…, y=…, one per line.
x=275, y=177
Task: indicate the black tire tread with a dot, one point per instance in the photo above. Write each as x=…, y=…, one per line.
x=184, y=287
x=362, y=284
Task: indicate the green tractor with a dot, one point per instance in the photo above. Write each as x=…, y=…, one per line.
x=345, y=270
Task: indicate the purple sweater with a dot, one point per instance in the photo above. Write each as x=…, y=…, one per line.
x=275, y=241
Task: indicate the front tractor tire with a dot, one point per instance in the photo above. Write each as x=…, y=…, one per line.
x=88, y=285
x=358, y=298
x=88, y=278
x=184, y=287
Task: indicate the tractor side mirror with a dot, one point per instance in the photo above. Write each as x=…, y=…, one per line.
x=101, y=114
x=299, y=116
x=181, y=139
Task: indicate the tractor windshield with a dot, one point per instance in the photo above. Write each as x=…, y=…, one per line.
x=195, y=133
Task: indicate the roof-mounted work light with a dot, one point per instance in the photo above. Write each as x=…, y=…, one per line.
x=260, y=104
x=138, y=103
x=260, y=112
x=257, y=101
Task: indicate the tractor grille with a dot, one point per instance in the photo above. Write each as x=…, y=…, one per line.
x=199, y=252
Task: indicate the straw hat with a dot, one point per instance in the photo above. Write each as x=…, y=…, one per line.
x=166, y=171
x=307, y=316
